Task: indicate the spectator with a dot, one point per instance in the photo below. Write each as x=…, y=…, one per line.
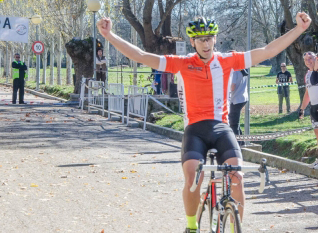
x=18, y=75
x=239, y=98
x=101, y=66
x=311, y=94
x=283, y=78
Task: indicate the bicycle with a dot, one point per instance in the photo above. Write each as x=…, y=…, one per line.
x=218, y=220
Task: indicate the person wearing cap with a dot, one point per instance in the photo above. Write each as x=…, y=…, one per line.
x=18, y=74
x=204, y=81
x=283, y=79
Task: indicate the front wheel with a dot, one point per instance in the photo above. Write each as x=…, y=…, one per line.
x=231, y=219
x=204, y=215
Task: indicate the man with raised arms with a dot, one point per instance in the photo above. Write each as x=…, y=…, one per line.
x=204, y=81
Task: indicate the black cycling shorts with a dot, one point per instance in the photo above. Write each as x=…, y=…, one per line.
x=314, y=115
x=199, y=137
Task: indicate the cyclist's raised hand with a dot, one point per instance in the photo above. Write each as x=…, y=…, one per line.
x=104, y=26
x=303, y=20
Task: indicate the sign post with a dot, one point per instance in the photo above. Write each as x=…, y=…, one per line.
x=38, y=47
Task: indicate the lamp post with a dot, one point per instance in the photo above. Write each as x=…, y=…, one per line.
x=36, y=19
x=94, y=6
x=247, y=106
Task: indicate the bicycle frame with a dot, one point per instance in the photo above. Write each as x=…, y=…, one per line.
x=220, y=210
x=211, y=194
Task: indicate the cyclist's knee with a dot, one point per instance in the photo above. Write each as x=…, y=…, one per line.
x=237, y=180
x=189, y=167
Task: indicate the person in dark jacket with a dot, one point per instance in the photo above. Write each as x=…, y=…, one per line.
x=18, y=74
x=101, y=66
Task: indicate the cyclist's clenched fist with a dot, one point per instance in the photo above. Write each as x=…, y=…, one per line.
x=104, y=26
x=303, y=20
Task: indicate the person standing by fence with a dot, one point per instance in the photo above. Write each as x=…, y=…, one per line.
x=101, y=66
x=18, y=74
x=283, y=78
x=239, y=98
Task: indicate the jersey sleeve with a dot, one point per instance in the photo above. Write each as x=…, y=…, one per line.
x=241, y=60
x=171, y=63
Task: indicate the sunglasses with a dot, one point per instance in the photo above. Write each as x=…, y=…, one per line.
x=309, y=53
x=17, y=57
x=203, y=39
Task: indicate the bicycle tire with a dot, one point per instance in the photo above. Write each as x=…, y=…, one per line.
x=204, y=215
x=231, y=214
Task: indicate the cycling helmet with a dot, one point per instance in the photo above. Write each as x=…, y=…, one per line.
x=202, y=27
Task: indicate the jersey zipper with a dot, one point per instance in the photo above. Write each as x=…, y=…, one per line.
x=206, y=71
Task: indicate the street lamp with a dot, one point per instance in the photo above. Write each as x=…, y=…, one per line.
x=247, y=106
x=94, y=6
x=36, y=19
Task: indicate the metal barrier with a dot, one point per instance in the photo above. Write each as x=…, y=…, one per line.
x=96, y=96
x=137, y=103
x=116, y=99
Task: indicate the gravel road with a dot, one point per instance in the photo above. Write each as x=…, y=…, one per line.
x=63, y=170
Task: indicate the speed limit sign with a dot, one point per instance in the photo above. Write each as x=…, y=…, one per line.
x=38, y=47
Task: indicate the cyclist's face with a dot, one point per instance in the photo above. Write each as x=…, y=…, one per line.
x=204, y=45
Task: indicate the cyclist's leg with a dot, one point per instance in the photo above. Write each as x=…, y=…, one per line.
x=229, y=152
x=193, y=149
x=237, y=185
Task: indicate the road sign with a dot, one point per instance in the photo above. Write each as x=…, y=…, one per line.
x=38, y=47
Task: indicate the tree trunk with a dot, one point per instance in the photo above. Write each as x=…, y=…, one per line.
x=153, y=42
x=68, y=70
x=44, y=65
x=295, y=51
x=59, y=54
x=81, y=52
x=276, y=62
x=52, y=62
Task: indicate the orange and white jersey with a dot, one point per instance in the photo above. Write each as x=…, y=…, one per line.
x=204, y=88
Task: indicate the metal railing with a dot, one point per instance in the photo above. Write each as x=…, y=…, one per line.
x=116, y=99
x=96, y=96
x=137, y=103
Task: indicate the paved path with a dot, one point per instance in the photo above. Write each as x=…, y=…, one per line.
x=67, y=171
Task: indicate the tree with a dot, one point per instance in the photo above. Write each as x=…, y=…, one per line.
x=81, y=52
x=305, y=42
x=268, y=14
x=158, y=40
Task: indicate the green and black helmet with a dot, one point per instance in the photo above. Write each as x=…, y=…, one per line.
x=202, y=27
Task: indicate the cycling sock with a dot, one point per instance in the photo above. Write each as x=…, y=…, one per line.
x=192, y=222
x=232, y=227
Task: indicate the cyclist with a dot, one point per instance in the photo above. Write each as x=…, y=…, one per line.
x=311, y=94
x=204, y=80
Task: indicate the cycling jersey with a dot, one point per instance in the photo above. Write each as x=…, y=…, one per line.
x=312, y=89
x=203, y=88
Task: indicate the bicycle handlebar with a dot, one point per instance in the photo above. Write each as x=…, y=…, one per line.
x=261, y=169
